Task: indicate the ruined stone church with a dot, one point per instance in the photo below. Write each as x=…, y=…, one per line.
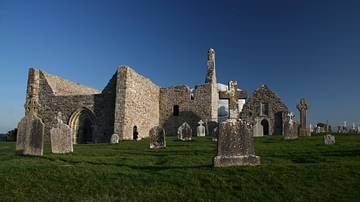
x=132, y=102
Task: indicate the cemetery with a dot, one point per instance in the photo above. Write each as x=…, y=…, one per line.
x=173, y=147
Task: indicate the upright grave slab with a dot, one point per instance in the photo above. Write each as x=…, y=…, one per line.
x=291, y=128
x=61, y=137
x=235, y=143
x=329, y=139
x=184, y=132
x=200, y=129
x=157, y=137
x=30, y=136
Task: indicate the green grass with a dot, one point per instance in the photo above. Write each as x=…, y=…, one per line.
x=291, y=170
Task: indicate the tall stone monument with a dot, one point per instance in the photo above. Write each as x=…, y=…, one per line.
x=30, y=136
x=302, y=107
x=61, y=137
x=235, y=144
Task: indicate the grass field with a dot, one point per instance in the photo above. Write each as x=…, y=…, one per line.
x=291, y=170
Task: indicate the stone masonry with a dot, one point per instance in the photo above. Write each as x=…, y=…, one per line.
x=128, y=100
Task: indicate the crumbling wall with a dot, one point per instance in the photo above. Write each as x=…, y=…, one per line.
x=137, y=104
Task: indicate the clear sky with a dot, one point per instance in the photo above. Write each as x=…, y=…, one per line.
x=299, y=48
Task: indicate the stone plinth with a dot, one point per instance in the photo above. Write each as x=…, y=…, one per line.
x=235, y=145
x=157, y=137
x=30, y=136
x=304, y=132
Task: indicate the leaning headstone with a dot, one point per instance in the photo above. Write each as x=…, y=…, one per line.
x=235, y=145
x=157, y=137
x=184, y=132
x=329, y=139
x=291, y=128
x=114, y=139
x=200, y=129
x=61, y=137
x=30, y=134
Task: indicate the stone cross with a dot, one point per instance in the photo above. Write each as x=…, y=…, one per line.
x=233, y=94
x=32, y=106
x=302, y=107
x=291, y=115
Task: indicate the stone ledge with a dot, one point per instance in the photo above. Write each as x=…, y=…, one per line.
x=224, y=161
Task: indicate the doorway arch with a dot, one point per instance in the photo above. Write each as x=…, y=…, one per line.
x=265, y=126
x=83, y=123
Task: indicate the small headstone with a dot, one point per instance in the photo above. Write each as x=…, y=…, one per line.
x=215, y=134
x=235, y=145
x=291, y=128
x=114, y=139
x=61, y=137
x=184, y=132
x=30, y=134
x=329, y=139
x=157, y=137
x=339, y=128
x=200, y=129
x=358, y=129
x=352, y=130
x=344, y=130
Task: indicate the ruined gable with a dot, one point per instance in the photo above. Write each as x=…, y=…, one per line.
x=266, y=111
x=60, y=86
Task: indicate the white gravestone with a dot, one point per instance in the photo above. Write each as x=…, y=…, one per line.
x=200, y=129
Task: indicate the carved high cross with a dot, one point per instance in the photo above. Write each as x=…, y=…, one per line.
x=233, y=94
x=302, y=107
x=32, y=106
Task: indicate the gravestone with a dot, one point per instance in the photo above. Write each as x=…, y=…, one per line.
x=215, y=134
x=352, y=130
x=339, y=128
x=302, y=107
x=61, y=137
x=30, y=134
x=184, y=132
x=344, y=130
x=235, y=145
x=291, y=128
x=200, y=129
x=329, y=139
x=157, y=137
x=358, y=129
x=114, y=139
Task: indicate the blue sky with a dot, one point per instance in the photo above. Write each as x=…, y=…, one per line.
x=304, y=48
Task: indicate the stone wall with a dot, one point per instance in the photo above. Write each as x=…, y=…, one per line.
x=265, y=106
x=137, y=104
x=191, y=109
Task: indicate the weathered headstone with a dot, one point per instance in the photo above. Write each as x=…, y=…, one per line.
x=61, y=137
x=358, y=129
x=30, y=134
x=339, y=128
x=200, y=129
x=302, y=107
x=157, y=137
x=114, y=139
x=184, y=132
x=344, y=130
x=329, y=139
x=235, y=145
x=291, y=128
x=215, y=134
x=352, y=130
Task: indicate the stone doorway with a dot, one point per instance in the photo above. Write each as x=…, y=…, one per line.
x=265, y=125
x=83, y=124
